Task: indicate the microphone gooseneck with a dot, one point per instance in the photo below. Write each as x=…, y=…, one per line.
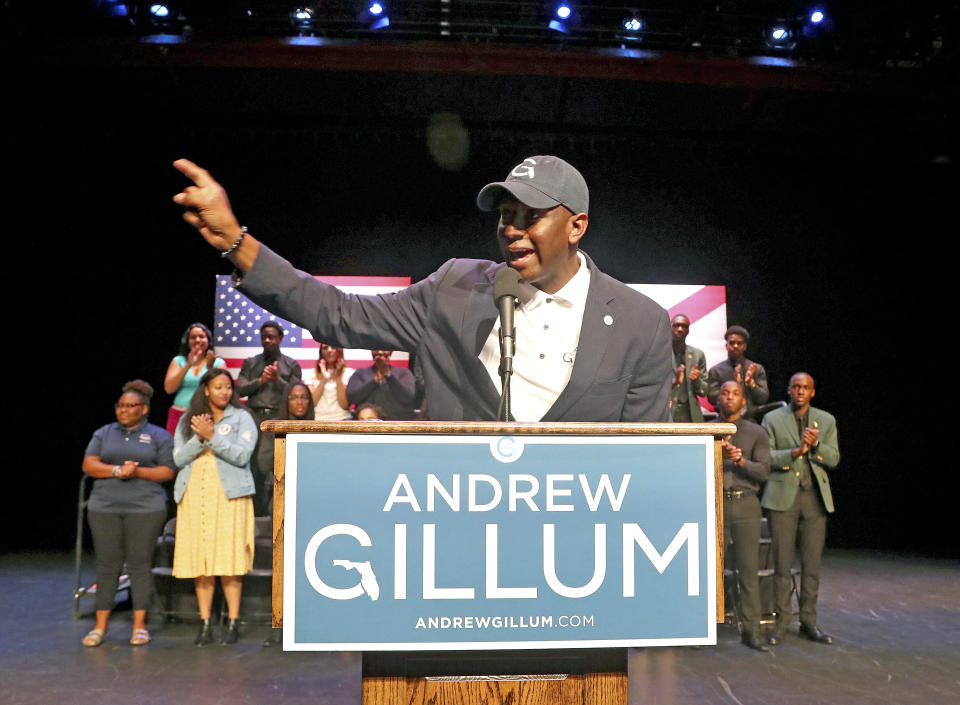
x=506, y=291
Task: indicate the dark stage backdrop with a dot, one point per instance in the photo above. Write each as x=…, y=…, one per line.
x=831, y=244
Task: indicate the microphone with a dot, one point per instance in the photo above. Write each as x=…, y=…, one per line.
x=506, y=291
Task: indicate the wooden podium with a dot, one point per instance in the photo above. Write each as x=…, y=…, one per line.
x=588, y=676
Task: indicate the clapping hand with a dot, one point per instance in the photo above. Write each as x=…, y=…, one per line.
x=128, y=469
x=202, y=425
x=382, y=365
x=730, y=451
x=195, y=355
x=270, y=373
x=810, y=436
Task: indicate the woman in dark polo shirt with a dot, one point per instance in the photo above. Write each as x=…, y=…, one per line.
x=127, y=508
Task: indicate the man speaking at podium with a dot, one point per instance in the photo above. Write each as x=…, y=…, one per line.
x=588, y=347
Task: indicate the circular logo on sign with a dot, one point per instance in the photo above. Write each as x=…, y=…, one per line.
x=506, y=449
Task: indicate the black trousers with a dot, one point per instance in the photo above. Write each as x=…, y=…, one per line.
x=261, y=464
x=741, y=536
x=129, y=538
x=806, y=521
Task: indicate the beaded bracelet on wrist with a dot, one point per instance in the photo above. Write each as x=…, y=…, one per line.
x=236, y=244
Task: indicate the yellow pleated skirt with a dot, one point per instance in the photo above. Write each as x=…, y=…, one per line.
x=215, y=535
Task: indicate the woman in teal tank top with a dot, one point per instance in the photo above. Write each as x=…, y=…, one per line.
x=185, y=370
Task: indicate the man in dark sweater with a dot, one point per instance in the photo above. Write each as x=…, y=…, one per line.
x=746, y=465
x=263, y=380
x=751, y=376
x=391, y=388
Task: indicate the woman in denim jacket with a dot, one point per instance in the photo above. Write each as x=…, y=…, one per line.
x=213, y=490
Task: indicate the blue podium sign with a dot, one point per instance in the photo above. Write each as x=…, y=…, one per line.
x=397, y=542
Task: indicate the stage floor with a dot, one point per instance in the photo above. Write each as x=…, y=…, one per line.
x=895, y=621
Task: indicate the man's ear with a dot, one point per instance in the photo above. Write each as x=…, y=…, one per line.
x=578, y=227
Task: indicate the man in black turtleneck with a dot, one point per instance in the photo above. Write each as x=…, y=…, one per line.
x=746, y=465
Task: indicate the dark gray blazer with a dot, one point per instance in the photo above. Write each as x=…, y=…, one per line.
x=621, y=371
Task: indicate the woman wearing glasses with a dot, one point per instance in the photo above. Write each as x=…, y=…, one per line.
x=299, y=403
x=299, y=407
x=128, y=460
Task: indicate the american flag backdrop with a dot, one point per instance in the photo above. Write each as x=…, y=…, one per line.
x=237, y=320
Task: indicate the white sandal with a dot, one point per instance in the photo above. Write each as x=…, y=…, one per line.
x=94, y=637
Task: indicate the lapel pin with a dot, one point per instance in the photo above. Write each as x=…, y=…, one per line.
x=608, y=319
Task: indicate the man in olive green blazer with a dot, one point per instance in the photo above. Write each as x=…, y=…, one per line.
x=689, y=374
x=797, y=499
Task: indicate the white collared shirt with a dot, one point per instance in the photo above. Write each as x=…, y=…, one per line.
x=548, y=333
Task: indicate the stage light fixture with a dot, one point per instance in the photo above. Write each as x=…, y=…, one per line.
x=780, y=36
x=160, y=15
x=301, y=16
x=375, y=14
x=632, y=27
x=562, y=18
x=817, y=24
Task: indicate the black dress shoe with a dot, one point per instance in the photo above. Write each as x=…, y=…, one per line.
x=754, y=642
x=232, y=632
x=776, y=636
x=274, y=638
x=205, y=635
x=815, y=633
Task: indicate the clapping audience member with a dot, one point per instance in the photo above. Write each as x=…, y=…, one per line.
x=330, y=388
x=127, y=508
x=746, y=466
x=750, y=375
x=797, y=499
x=196, y=357
x=689, y=379
x=392, y=388
x=215, y=527
x=262, y=380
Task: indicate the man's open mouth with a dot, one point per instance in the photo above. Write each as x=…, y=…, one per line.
x=520, y=254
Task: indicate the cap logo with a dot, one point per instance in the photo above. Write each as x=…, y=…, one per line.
x=522, y=170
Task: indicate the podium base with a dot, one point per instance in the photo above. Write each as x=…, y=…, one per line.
x=527, y=677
